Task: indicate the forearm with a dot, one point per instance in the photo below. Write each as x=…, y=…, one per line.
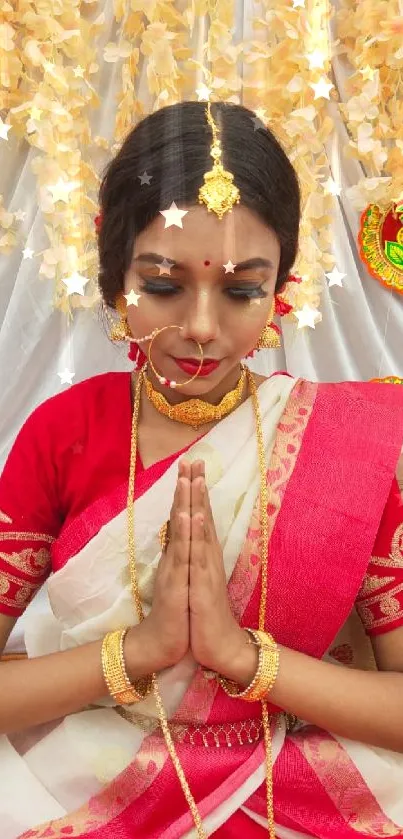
x=360, y=705
x=38, y=690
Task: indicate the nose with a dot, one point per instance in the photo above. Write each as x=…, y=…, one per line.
x=200, y=322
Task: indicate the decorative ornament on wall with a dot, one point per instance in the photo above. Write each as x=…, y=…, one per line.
x=381, y=244
x=389, y=380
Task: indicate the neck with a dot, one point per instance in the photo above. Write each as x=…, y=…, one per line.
x=213, y=397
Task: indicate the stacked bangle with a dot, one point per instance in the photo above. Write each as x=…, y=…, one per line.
x=266, y=673
x=114, y=670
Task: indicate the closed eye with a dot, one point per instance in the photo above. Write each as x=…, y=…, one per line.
x=246, y=293
x=238, y=293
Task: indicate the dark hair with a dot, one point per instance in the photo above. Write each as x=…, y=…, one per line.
x=173, y=146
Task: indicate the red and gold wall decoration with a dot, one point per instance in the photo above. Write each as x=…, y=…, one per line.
x=381, y=244
x=390, y=380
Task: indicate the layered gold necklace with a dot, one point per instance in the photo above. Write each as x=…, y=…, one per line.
x=264, y=550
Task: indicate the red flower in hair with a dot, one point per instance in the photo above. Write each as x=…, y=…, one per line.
x=98, y=221
x=281, y=307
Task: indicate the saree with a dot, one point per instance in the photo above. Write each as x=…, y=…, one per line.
x=105, y=771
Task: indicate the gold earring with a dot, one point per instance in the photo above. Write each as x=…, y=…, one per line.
x=269, y=338
x=120, y=330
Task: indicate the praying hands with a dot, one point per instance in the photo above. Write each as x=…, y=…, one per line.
x=190, y=604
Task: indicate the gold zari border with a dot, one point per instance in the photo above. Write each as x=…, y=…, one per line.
x=16, y=536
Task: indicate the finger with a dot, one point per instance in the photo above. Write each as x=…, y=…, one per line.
x=209, y=524
x=198, y=469
x=197, y=493
x=181, y=502
x=198, y=557
x=178, y=548
x=180, y=544
x=177, y=528
x=184, y=469
x=177, y=506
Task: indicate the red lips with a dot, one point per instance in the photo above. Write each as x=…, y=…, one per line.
x=190, y=366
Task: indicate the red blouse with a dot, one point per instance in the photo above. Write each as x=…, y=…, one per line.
x=75, y=448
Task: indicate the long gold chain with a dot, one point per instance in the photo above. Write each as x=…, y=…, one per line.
x=264, y=548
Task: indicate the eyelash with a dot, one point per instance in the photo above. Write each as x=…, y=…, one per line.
x=234, y=293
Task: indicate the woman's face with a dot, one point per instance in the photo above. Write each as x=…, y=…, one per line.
x=215, y=279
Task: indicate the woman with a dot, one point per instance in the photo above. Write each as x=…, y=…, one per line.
x=199, y=286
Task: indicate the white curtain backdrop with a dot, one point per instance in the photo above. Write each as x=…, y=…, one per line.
x=360, y=336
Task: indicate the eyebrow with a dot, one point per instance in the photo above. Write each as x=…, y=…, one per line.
x=248, y=264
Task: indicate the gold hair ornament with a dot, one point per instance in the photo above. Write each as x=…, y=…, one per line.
x=218, y=193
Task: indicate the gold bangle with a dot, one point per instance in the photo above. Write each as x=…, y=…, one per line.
x=113, y=667
x=266, y=673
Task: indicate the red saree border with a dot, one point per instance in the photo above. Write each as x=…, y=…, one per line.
x=331, y=512
x=203, y=693
x=343, y=783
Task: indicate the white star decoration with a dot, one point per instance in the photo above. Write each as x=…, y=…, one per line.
x=173, y=216
x=203, y=93
x=145, y=178
x=335, y=277
x=4, y=129
x=307, y=316
x=75, y=283
x=66, y=376
x=322, y=88
x=20, y=215
x=316, y=60
x=28, y=253
x=165, y=266
x=229, y=267
x=331, y=186
x=60, y=191
x=132, y=298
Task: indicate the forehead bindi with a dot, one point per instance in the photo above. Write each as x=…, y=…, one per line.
x=251, y=264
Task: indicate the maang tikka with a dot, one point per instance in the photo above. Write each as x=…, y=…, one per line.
x=218, y=193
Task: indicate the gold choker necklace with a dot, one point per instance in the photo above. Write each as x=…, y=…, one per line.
x=196, y=412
